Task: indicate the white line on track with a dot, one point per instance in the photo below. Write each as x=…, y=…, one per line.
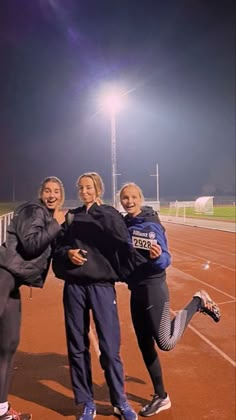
x=201, y=258
x=225, y=303
x=213, y=346
x=203, y=282
x=205, y=339
x=221, y=251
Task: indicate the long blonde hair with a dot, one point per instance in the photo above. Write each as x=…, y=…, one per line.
x=57, y=181
x=97, y=182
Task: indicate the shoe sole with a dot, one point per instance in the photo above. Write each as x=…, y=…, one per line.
x=118, y=414
x=164, y=407
x=94, y=415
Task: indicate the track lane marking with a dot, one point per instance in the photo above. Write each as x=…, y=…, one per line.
x=207, y=341
x=203, y=246
x=201, y=258
x=203, y=282
x=226, y=303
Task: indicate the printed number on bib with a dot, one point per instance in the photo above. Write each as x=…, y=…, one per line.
x=142, y=243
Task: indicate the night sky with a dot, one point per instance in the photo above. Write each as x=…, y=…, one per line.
x=177, y=60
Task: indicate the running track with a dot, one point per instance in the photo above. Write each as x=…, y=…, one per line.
x=199, y=373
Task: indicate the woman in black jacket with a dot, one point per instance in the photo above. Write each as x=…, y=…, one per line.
x=91, y=257
x=24, y=260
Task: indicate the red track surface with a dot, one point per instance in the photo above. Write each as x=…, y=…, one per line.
x=199, y=373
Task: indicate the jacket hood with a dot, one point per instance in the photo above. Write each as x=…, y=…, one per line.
x=37, y=202
x=147, y=214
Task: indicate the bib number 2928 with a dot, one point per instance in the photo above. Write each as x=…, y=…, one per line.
x=142, y=243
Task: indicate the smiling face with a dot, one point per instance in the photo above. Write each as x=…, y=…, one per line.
x=131, y=199
x=87, y=191
x=51, y=195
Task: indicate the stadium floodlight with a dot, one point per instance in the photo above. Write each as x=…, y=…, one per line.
x=111, y=103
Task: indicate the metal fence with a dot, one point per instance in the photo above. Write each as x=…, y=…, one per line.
x=4, y=222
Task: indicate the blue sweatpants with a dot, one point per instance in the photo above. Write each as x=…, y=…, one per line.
x=101, y=300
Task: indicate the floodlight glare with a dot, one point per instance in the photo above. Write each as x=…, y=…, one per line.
x=111, y=100
x=112, y=103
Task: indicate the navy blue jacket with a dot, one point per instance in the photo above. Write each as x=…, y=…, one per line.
x=26, y=253
x=143, y=229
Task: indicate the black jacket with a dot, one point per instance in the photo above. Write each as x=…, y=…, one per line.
x=102, y=232
x=27, y=250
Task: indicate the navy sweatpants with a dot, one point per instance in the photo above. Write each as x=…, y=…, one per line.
x=101, y=300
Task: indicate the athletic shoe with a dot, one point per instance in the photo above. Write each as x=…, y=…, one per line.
x=208, y=306
x=125, y=412
x=14, y=415
x=89, y=412
x=155, y=406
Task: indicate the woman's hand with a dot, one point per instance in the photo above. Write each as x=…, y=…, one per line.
x=75, y=256
x=155, y=251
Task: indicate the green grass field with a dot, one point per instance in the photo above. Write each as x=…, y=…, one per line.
x=220, y=212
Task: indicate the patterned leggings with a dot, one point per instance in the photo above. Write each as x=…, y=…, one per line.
x=150, y=311
x=10, y=317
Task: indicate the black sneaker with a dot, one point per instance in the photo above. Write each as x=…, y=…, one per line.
x=14, y=415
x=155, y=406
x=208, y=306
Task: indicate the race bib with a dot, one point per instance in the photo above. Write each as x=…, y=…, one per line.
x=142, y=243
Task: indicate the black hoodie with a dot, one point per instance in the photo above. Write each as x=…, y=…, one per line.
x=101, y=231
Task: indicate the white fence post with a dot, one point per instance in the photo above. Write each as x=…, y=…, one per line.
x=4, y=222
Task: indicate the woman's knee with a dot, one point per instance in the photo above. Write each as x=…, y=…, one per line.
x=108, y=358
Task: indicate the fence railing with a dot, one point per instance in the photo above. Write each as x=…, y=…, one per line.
x=4, y=222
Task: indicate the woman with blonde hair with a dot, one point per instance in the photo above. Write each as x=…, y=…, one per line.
x=149, y=301
x=91, y=257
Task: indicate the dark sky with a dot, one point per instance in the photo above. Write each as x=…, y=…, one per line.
x=176, y=57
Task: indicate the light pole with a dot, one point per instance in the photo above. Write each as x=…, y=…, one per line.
x=157, y=185
x=111, y=104
x=113, y=157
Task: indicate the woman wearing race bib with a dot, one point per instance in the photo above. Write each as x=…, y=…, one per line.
x=150, y=306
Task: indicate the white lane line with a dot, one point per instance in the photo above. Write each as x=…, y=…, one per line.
x=201, y=258
x=203, y=282
x=203, y=246
x=213, y=346
x=220, y=352
x=225, y=303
